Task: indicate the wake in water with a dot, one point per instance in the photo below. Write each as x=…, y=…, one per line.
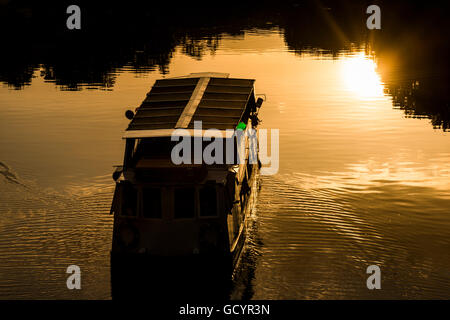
x=5, y=171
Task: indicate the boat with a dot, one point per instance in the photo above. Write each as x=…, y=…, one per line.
x=192, y=215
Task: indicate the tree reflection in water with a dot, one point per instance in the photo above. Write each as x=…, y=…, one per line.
x=411, y=55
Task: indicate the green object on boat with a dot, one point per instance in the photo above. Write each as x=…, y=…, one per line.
x=241, y=126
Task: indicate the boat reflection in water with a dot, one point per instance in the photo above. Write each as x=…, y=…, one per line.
x=180, y=229
x=149, y=278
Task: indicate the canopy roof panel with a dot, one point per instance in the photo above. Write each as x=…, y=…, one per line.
x=219, y=102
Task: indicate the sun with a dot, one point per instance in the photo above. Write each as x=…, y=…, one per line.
x=360, y=76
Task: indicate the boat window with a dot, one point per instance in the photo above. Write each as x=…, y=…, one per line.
x=129, y=202
x=208, y=200
x=151, y=201
x=184, y=203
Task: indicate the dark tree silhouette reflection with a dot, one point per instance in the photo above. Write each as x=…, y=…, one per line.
x=412, y=47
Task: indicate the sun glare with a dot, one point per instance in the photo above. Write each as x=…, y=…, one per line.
x=360, y=76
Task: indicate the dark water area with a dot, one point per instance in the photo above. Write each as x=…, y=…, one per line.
x=364, y=143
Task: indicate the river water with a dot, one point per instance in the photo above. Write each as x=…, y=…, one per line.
x=360, y=183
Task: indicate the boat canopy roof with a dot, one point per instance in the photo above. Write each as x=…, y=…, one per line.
x=213, y=98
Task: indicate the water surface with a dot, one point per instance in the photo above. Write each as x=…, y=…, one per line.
x=361, y=181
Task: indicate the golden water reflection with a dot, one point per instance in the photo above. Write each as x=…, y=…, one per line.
x=358, y=183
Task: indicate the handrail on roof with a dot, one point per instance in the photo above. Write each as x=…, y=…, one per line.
x=161, y=133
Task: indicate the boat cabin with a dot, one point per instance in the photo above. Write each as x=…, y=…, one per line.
x=165, y=209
